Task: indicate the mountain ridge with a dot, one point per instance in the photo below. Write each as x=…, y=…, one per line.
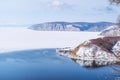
x=71, y=26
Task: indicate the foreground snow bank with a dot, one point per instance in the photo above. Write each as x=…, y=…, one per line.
x=12, y=39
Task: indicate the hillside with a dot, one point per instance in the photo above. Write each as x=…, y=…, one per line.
x=71, y=26
x=111, y=31
x=105, y=49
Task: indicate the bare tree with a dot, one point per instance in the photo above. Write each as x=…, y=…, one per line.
x=116, y=2
x=118, y=21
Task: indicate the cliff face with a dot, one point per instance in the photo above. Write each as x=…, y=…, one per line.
x=106, y=48
x=71, y=26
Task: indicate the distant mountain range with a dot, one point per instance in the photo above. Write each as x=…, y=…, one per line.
x=71, y=26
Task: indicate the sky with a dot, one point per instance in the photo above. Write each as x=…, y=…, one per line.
x=39, y=11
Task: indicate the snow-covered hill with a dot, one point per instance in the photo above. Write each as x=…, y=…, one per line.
x=111, y=31
x=71, y=26
x=106, y=48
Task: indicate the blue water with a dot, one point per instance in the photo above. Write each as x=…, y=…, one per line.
x=46, y=64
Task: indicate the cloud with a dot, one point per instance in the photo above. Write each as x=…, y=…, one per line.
x=109, y=8
x=104, y=10
x=59, y=4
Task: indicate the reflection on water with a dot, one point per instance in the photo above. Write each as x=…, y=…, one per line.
x=46, y=64
x=94, y=63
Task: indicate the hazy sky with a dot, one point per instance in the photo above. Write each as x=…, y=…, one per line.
x=37, y=11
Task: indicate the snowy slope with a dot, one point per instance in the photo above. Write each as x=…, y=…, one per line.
x=111, y=31
x=98, y=49
x=71, y=26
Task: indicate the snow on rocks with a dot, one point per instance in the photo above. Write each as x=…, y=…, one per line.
x=111, y=31
x=94, y=63
x=98, y=49
x=116, y=49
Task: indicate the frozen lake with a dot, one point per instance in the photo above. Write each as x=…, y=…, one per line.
x=21, y=38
